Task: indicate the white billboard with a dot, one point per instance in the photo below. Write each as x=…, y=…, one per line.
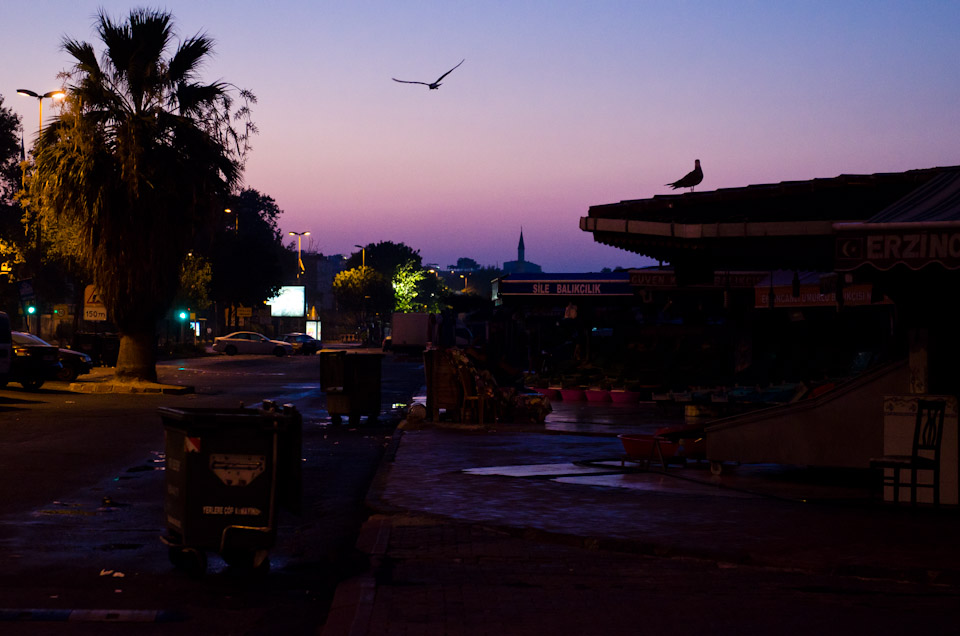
x=289, y=302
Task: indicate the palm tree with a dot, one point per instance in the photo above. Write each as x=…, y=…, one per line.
x=140, y=160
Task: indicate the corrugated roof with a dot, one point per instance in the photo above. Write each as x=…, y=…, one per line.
x=936, y=200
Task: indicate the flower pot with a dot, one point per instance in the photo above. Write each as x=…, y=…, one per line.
x=549, y=393
x=621, y=396
x=572, y=395
x=597, y=395
x=642, y=446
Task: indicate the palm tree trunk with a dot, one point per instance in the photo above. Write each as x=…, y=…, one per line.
x=137, y=359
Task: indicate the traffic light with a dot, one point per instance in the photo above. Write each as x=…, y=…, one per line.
x=182, y=315
x=31, y=310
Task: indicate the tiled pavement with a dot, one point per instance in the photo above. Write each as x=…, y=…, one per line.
x=454, y=519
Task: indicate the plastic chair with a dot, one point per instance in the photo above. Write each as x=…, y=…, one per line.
x=927, y=435
x=471, y=402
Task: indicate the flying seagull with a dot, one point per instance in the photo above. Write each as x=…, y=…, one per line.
x=432, y=85
x=691, y=179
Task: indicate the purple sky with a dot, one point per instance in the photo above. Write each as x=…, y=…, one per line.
x=560, y=105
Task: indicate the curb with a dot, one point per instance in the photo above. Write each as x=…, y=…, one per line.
x=120, y=387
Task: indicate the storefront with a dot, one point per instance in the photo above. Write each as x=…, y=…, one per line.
x=887, y=244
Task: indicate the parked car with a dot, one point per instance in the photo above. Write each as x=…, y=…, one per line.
x=302, y=343
x=6, y=348
x=251, y=342
x=74, y=363
x=33, y=362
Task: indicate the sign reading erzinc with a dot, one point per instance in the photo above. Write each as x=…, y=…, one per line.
x=913, y=249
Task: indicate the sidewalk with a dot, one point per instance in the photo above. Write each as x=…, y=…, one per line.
x=101, y=380
x=484, y=494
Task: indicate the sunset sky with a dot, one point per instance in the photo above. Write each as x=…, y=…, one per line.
x=559, y=105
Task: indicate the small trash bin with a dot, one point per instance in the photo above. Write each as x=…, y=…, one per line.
x=228, y=472
x=351, y=381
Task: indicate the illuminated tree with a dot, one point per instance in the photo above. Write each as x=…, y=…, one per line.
x=405, y=287
x=363, y=291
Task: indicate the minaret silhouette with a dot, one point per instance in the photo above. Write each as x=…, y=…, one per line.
x=520, y=248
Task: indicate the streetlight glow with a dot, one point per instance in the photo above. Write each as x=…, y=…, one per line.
x=48, y=95
x=299, y=236
x=236, y=220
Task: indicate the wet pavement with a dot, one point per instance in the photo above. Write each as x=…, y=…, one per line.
x=472, y=493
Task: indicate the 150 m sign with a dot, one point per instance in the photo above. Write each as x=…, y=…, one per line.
x=93, y=307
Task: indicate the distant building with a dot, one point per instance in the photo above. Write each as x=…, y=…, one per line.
x=327, y=268
x=521, y=265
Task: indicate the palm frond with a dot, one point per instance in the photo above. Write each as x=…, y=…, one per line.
x=185, y=63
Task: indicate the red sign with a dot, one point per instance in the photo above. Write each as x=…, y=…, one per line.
x=721, y=280
x=810, y=296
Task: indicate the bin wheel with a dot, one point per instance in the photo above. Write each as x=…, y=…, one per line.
x=716, y=468
x=189, y=560
x=248, y=561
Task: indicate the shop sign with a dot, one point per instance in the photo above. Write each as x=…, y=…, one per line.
x=721, y=280
x=564, y=288
x=914, y=249
x=811, y=296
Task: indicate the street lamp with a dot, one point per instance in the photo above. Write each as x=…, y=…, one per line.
x=236, y=220
x=40, y=98
x=464, y=277
x=299, y=236
x=363, y=256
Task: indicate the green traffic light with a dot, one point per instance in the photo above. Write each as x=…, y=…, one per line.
x=31, y=309
x=183, y=315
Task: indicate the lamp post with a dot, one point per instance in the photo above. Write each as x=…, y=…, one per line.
x=363, y=256
x=464, y=277
x=299, y=236
x=48, y=95
x=40, y=98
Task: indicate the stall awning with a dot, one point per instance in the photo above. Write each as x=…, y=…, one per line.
x=791, y=224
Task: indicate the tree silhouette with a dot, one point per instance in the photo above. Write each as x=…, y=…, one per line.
x=142, y=156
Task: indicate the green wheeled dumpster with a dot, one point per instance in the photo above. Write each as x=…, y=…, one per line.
x=228, y=472
x=351, y=381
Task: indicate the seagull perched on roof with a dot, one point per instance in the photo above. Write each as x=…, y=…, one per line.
x=432, y=85
x=692, y=178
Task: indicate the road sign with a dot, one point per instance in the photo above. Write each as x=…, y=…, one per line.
x=93, y=307
x=25, y=287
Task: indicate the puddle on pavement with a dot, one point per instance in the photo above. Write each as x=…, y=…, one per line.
x=610, y=474
x=538, y=470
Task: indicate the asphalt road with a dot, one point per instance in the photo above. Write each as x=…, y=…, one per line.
x=81, y=506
